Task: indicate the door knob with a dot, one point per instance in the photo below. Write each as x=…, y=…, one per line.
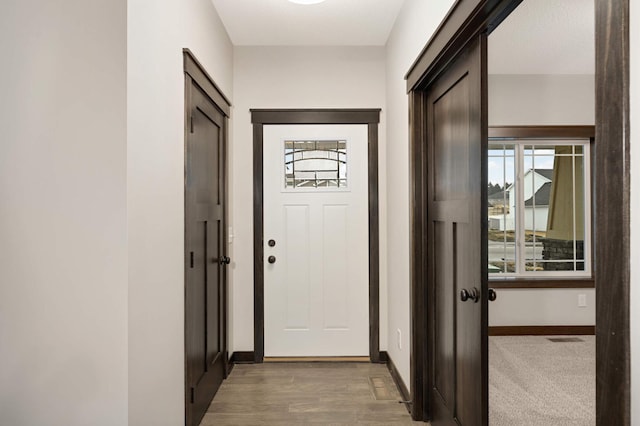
x=271, y=259
x=472, y=294
x=224, y=260
x=492, y=295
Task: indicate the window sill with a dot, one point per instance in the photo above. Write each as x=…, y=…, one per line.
x=542, y=283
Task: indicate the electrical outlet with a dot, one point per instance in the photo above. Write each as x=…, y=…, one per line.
x=582, y=300
x=399, y=333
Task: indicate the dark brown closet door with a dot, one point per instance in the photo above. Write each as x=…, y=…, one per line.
x=204, y=253
x=458, y=310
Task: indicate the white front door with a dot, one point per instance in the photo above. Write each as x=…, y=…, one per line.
x=316, y=234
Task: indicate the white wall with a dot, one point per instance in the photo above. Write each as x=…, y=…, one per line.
x=541, y=100
x=414, y=26
x=157, y=32
x=635, y=211
x=63, y=253
x=542, y=307
x=293, y=77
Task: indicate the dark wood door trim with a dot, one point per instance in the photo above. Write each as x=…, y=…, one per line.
x=195, y=74
x=612, y=245
x=315, y=116
x=523, y=132
x=420, y=376
x=542, y=283
x=465, y=20
x=611, y=179
x=369, y=117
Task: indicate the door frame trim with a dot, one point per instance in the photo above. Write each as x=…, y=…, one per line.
x=194, y=72
x=369, y=117
x=465, y=20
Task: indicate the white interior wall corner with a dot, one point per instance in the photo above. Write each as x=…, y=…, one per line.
x=157, y=33
x=414, y=26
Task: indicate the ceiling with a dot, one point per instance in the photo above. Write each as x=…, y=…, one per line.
x=545, y=37
x=332, y=23
x=539, y=37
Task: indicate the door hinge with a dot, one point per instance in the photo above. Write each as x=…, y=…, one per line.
x=191, y=259
x=191, y=123
x=193, y=395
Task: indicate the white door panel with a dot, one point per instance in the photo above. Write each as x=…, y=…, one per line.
x=317, y=291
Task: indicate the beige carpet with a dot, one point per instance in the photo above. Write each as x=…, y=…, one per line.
x=533, y=381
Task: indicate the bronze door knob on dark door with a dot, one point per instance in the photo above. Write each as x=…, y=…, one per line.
x=271, y=259
x=224, y=260
x=492, y=295
x=472, y=294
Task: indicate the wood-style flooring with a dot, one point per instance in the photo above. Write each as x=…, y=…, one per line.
x=302, y=393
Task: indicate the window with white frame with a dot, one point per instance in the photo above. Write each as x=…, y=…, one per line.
x=315, y=164
x=539, y=207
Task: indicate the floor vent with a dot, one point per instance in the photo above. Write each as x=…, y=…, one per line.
x=383, y=388
x=564, y=339
x=317, y=359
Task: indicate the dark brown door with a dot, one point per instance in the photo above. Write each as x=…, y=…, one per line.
x=457, y=261
x=205, y=260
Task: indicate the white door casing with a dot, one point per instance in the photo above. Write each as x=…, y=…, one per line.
x=316, y=294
